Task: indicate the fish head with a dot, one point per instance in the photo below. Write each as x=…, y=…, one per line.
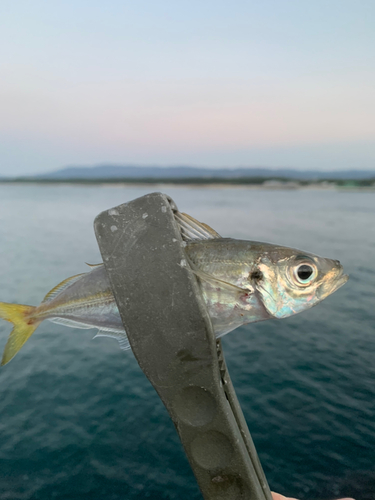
x=290, y=281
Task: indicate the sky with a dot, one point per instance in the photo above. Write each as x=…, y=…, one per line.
x=271, y=83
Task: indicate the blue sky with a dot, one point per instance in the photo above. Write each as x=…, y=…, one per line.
x=273, y=83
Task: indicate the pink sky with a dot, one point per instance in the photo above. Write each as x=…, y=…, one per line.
x=255, y=85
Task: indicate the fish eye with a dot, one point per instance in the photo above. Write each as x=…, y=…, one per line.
x=305, y=273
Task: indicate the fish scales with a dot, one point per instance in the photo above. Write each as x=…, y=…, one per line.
x=88, y=300
x=240, y=281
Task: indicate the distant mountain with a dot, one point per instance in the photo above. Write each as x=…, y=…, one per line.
x=185, y=172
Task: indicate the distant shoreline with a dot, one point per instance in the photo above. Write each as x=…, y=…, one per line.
x=247, y=183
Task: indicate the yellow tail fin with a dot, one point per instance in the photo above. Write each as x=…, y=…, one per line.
x=24, y=327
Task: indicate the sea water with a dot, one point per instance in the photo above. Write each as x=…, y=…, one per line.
x=79, y=420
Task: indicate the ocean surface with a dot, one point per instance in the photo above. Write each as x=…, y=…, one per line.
x=79, y=420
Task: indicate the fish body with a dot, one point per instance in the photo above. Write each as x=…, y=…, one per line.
x=241, y=282
x=83, y=301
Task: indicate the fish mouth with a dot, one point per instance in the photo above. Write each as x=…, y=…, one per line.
x=341, y=280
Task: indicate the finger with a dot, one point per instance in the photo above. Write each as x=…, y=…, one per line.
x=277, y=496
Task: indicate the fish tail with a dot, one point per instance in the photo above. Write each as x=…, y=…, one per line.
x=24, y=326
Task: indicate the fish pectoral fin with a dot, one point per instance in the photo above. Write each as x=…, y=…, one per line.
x=219, y=282
x=61, y=286
x=191, y=229
x=118, y=335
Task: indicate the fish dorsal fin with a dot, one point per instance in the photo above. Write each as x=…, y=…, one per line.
x=60, y=287
x=191, y=229
x=93, y=266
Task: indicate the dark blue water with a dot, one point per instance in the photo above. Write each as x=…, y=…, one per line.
x=79, y=420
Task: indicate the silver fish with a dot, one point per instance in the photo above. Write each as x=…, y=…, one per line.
x=241, y=282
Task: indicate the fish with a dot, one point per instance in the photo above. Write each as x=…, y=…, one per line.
x=241, y=282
